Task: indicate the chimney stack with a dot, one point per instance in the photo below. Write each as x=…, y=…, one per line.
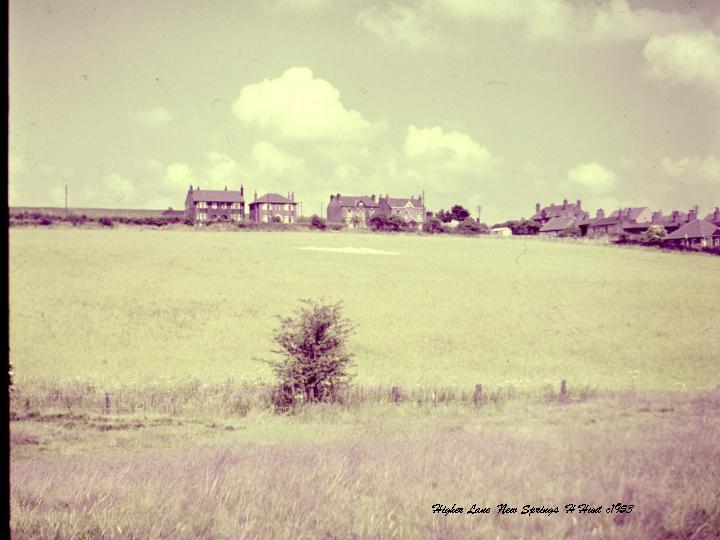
x=578, y=204
x=656, y=217
x=600, y=214
x=537, y=208
x=191, y=190
x=564, y=204
x=692, y=214
x=242, y=190
x=292, y=195
x=332, y=197
x=225, y=188
x=373, y=197
x=337, y=196
x=255, y=196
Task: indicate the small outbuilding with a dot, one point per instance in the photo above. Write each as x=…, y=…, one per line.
x=501, y=232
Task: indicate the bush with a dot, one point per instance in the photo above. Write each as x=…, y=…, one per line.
x=393, y=223
x=314, y=363
x=105, y=222
x=45, y=220
x=470, y=226
x=433, y=226
x=316, y=222
x=654, y=235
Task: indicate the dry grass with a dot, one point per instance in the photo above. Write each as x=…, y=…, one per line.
x=375, y=472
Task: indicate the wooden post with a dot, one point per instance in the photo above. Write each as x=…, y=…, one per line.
x=563, y=389
x=107, y=403
x=477, y=397
x=395, y=394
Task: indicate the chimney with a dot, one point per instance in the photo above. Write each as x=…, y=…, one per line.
x=676, y=217
x=191, y=188
x=564, y=204
x=656, y=217
x=600, y=214
x=373, y=197
x=242, y=190
x=692, y=214
x=225, y=188
x=198, y=188
x=292, y=195
x=332, y=197
x=578, y=204
x=337, y=196
x=716, y=214
x=537, y=207
x=288, y=196
x=255, y=196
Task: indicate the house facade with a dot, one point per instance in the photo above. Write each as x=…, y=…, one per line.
x=273, y=207
x=203, y=206
x=411, y=209
x=696, y=233
x=354, y=211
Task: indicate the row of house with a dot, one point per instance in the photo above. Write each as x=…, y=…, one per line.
x=684, y=228
x=203, y=206
x=355, y=211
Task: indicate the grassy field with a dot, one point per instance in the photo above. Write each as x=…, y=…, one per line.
x=130, y=307
x=171, y=323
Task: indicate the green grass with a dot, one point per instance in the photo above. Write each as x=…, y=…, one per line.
x=137, y=307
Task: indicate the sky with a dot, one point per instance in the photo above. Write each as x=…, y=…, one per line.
x=496, y=104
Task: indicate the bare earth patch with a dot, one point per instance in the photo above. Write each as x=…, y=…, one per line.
x=352, y=250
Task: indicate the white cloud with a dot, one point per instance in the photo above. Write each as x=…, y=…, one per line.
x=120, y=188
x=452, y=151
x=271, y=160
x=298, y=5
x=393, y=23
x=221, y=169
x=157, y=117
x=179, y=175
x=691, y=57
x=298, y=106
x=694, y=168
x=594, y=177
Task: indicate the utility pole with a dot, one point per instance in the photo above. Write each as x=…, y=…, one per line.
x=66, y=210
x=479, y=210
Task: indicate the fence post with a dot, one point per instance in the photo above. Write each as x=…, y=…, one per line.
x=106, y=403
x=477, y=397
x=563, y=389
x=395, y=394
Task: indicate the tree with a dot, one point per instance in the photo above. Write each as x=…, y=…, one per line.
x=314, y=362
x=654, y=235
x=433, y=225
x=459, y=213
x=316, y=222
x=470, y=226
x=445, y=217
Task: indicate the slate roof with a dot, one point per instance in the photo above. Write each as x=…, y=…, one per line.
x=273, y=198
x=559, y=223
x=630, y=214
x=216, y=195
x=351, y=200
x=402, y=202
x=694, y=229
x=555, y=210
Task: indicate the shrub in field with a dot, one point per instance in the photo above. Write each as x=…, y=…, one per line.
x=313, y=362
x=316, y=222
x=433, y=226
x=470, y=226
x=105, y=222
x=45, y=220
x=381, y=222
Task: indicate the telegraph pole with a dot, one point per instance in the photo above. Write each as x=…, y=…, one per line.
x=66, y=210
x=479, y=210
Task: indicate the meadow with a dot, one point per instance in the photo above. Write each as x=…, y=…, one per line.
x=172, y=324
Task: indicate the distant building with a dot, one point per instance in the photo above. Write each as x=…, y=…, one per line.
x=203, y=206
x=616, y=222
x=353, y=210
x=543, y=215
x=412, y=209
x=502, y=232
x=273, y=207
x=558, y=224
x=714, y=217
x=698, y=233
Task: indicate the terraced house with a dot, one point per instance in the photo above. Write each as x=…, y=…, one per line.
x=273, y=207
x=203, y=206
x=353, y=210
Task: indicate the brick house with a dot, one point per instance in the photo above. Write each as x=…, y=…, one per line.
x=412, y=209
x=543, y=215
x=353, y=210
x=698, y=233
x=273, y=205
x=203, y=206
x=620, y=220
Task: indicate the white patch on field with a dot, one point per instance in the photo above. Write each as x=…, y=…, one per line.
x=352, y=250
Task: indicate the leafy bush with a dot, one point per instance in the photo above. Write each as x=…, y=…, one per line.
x=45, y=220
x=393, y=223
x=314, y=363
x=654, y=235
x=105, y=222
x=470, y=227
x=316, y=222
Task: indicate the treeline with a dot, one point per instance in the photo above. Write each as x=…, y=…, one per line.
x=44, y=219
